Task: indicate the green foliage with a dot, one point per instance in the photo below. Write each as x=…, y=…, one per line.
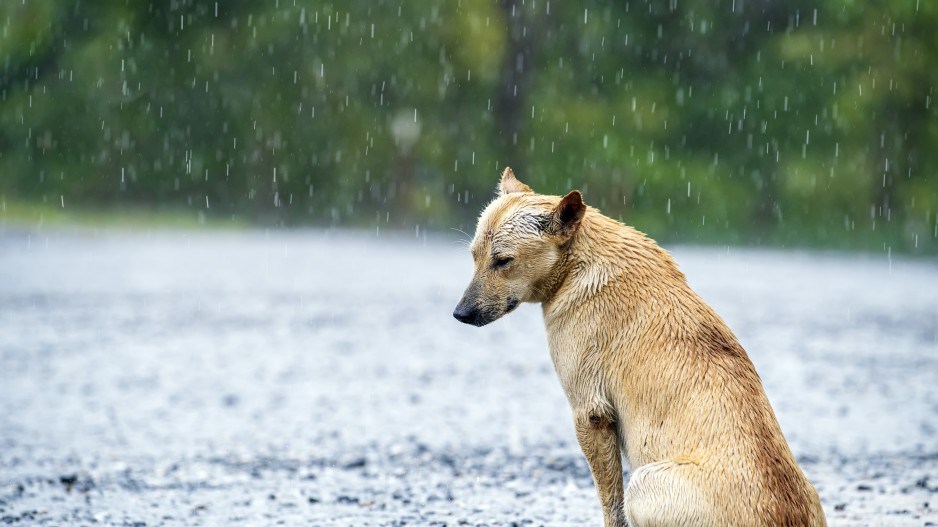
x=802, y=122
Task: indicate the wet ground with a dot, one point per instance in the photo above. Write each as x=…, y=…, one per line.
x=318, y=378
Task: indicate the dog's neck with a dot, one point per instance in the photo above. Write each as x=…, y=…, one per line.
x=603, y=251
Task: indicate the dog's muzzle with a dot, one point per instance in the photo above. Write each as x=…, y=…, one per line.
x=468, y=314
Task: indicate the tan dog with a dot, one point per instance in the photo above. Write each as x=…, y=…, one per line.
x=649, y=369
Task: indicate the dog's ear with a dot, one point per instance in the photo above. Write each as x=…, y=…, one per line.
x=511, y=184
x=568, y=214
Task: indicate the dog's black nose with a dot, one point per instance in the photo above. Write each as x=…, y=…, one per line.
x=466, y=314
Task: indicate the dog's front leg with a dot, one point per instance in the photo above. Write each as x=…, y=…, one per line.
x=596, y=432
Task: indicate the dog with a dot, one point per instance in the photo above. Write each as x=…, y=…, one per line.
x=651, y=372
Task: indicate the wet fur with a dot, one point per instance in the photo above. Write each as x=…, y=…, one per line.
x=651, y=372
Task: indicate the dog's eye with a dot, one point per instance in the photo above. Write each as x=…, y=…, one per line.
x=502, y=261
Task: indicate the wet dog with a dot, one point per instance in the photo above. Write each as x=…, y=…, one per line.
x=651, y=372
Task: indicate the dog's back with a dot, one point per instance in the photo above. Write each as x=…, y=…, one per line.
x=684, y=391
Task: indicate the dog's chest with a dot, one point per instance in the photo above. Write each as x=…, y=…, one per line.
x=565, y=361
x=571, y=358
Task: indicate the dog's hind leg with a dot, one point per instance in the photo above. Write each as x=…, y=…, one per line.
x=596, y=432
x=666, y=494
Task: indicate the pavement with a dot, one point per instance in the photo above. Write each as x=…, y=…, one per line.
x=318, y=378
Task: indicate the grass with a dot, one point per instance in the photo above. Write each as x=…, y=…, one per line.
x=40, y=215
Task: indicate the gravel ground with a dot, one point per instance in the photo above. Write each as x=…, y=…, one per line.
x=318, y=378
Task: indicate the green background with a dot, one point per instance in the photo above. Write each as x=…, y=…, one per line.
x=790, y=123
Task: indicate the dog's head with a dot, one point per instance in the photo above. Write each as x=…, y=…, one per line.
x=517, y=249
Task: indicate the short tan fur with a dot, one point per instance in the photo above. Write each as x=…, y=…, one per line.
x=651, y=372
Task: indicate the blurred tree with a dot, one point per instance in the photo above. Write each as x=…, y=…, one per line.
x=800, y=122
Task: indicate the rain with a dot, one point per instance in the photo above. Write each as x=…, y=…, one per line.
x=233, y=233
